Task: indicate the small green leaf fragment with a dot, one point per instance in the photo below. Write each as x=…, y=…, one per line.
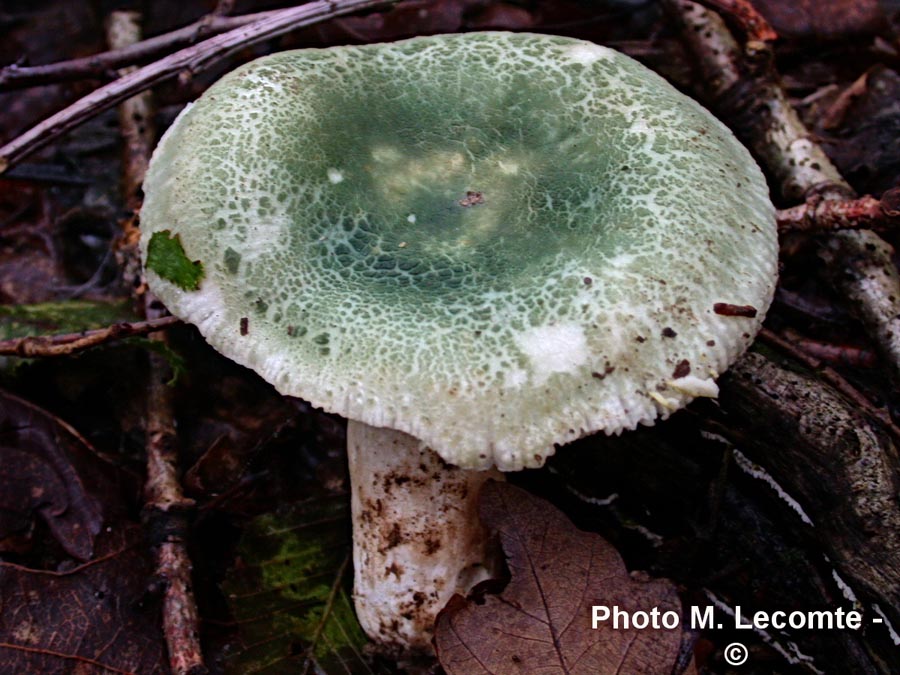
x=166, y=257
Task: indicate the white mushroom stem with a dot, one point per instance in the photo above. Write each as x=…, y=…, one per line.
x=417, y=539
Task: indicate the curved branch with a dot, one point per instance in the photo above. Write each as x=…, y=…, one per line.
x=70, y=343
x=190, y=60
x=104, y=64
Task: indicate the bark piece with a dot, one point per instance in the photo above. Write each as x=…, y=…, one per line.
x=843, y=469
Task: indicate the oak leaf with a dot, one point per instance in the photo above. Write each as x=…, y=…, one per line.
x=541, y=622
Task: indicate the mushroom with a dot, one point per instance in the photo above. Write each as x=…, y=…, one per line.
x=475, y=248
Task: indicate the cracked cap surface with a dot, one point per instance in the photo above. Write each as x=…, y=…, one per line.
x=494, y=242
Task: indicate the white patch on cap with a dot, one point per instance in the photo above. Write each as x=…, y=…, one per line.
x=335, y=176
x=586, y=54
x=386, y=153
x=514, y=377
x=509, y=168
x=560, y=348
x=620, y=261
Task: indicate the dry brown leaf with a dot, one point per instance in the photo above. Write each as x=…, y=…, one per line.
x=93, y=619
x=48, y=470
x=867, y=147
x=541, y=622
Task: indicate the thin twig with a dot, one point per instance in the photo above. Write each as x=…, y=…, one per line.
x=165, y=513
x=852, y=356
x=190, y=60
x=70, y=343
x=820, y=215
x=104, y=64
x=135, y=116
x=745, y=87
x=166, y=508
x=139, y=136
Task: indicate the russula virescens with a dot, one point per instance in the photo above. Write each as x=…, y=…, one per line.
x=486, y=244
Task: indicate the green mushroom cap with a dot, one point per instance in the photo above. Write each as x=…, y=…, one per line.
x=494, y=242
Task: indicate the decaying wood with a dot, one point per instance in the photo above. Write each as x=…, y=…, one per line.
x=833, y=379
x=187, y=61
x=746, y=91
x=860, y=263
x=166, y=509
x=832, y=458
x=71, y=343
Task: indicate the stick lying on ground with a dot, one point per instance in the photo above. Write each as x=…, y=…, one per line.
x=70, y=343
x=101, y=65
x=190, y=60
x=166, y=511
x=819, y=215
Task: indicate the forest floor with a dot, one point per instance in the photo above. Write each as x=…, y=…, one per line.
x=783, y=495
